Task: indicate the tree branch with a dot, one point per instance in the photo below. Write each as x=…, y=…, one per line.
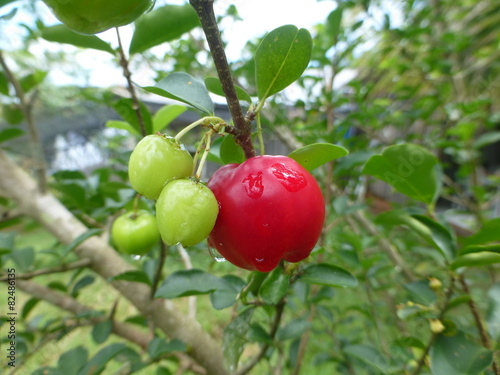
x=205, y=11
x=81, y=263
x=16, y=184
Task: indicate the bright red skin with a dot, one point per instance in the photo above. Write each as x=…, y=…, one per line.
x=271, y=209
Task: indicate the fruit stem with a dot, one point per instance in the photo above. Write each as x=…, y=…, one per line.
x=207, y=137
x=203, y=121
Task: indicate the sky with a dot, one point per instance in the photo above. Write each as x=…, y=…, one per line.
x=259, y=17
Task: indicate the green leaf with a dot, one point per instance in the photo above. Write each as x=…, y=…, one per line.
x=158, y=347
x=12, y=114
x=234, y=339
x=314, y=155
x=333, y=23
x=329, y=275
x=493, y=314
x=230, y=152
x=458, y=356
x=476, y=259
x=214, y=154
x=486, y=139
x=72, y=361
x=32, y=80
x=10, y=133
x=431, y=231
x=293, y=329
x=162, y=25
x=281, y=58
x=165, y=115
x=134, y=275
x=28, y=306
x=410, y=169
x=101, y=331
x=4, y=84
x=420, y=292
x=23, y=258
x=494, y=248
x=82, y=238
x=188, y=283
x=184, y=88
x=488, y=233
x=5, y=2
x=125, y=108
x=63, y=34
x=226, y=296
x=215, y=86
x=82, y=283
x=370, y=356
x=123, y=125
x=98, y=362
x=275, y=286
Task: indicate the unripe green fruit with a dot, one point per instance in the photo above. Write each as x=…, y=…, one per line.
x=135, y=232
x=94, y=16
x=186, y=212
x=156, y=160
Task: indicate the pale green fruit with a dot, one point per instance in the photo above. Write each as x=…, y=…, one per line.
x=94, y=16
x=186, y=212
x=156, y=160
x=135, y=232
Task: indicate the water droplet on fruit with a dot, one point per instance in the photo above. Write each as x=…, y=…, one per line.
x=259, y=260
x=253, y=185
x=292, y=180
x=215, y=254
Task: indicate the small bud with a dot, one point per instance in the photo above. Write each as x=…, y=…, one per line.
x=435, y=284
x=436, y=326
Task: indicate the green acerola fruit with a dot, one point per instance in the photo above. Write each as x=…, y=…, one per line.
x=186, y=212
x=135, y=233
x=94, y=16
x=156, y=160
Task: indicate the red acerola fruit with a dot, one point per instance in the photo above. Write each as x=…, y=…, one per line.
x=270, y=208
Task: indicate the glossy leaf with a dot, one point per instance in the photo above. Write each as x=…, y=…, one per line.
x=101, y=331
x=126, y=109
x=333, y=23
x=314, y=155
x=214, y=86
x=12, y=114
x=188, y=283
x=123, y=125
x=329, y=275
x=489, y=232
x=234, y=339
x=486, y=139
x=63, y=34
x=493, y=315
x=4, y=84
x=476, y=259
x=458, y=356
x=98, y=362
x=10, y=133
x=165, y=115
x=230, y=152
x=32, y=80
x=281, y=58
x=82, y=238
x=162, y=25
x=410, y=169
x=186, y=89
x=72, y=361
x=493, y=248
x=133, y=275
x=226, y=295
x=275, y=286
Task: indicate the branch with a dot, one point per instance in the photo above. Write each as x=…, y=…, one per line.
x=16, y=184
x=70, y=304
x=36, y=144
x=205, y=11
x=84, y=262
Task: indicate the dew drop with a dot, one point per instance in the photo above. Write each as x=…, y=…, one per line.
x=215, y=254
x=259, y=260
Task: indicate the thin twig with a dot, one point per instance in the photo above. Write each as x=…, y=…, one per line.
x=205, y=11
x=130, y=85
x=84, y=262
x=159, y=268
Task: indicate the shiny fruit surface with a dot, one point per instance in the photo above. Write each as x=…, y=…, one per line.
x=156, y=160
x=135, y=233
x=186, y=212
x=94, y=16
x=271, y=209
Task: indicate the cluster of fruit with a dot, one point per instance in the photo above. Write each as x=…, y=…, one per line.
x=255, y=214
